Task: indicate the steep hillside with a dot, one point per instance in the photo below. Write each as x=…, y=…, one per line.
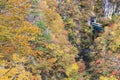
x=59, y=40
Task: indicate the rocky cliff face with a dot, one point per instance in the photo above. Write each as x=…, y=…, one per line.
x=117, y=11
x=111, y=7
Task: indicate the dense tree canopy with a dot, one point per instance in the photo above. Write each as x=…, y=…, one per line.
x=53, y=40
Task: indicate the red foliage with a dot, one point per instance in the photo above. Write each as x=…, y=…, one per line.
x=114, y=72
x=99, y=61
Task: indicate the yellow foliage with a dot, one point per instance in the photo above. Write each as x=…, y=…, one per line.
x=71, y=22
x=52, y=60
x=71, y=69
x=17, y=7
x=51, y=46
x=17, y=58
x=17, y=35
x=115, y=37
x=52, y=18
x=112, y=36
x=108, y=78
x=9, y=74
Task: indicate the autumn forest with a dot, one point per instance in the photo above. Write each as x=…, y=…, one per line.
x=59, y=39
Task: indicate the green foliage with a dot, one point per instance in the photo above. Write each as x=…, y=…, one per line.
x=72, y=38
x=42, y=48
x=41, y=25
x=45, y=36
x=35, y=0
x=69, y=24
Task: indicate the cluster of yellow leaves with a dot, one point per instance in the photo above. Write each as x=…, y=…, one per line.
x=56, y=48
x=71, y=22
x=108, y=78
x=15, y=34
x=18, y=37
x=17, y=72
x=52, y=18
x=71, y=69
x=17, y=58
x=15, y=31
x=52, y=4
x=16, y=69
x=115, y=37
x=61, y=52
x=20, y=7
x=111, y=37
